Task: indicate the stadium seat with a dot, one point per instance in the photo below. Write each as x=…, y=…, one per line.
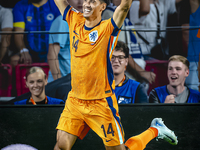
x=159, y=67
x=5, y=80
x=21, y=70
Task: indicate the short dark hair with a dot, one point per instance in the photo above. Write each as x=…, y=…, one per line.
x=121, y=46
x=106, y=1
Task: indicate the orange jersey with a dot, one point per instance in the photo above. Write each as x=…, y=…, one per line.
x=91, y=50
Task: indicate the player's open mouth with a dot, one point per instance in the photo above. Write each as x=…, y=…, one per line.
x=86, y=10
x=173, y=78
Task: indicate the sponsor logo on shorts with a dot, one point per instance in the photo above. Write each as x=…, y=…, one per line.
x=108, y=140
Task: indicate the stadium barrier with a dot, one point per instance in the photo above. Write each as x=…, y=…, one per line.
x=35, y=125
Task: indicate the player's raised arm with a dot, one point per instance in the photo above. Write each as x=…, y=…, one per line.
x=121, y=12
x=61, y=4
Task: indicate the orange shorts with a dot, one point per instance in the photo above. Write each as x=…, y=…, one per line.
x=79, y=116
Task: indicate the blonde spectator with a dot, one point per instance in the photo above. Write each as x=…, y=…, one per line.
x=36, y=80
x=175, y=91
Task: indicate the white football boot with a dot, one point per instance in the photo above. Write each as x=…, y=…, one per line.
x=163, y=132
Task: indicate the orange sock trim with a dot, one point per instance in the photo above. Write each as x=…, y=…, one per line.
x=154, y=131
x=140, y=141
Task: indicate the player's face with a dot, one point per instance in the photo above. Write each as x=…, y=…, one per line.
x=177, y=73
x=36, y=83
x=119, y=62
x=77, y=4
x=92, y=8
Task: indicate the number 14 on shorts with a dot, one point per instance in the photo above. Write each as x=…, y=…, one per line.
x=109, y=131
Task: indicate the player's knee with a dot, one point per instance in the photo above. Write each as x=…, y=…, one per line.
x=62, y=145
x=56, y=147
x=63, y=141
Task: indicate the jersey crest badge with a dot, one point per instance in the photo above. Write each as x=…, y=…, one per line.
x=29, y=18
x=93, y=36
x=50, y=16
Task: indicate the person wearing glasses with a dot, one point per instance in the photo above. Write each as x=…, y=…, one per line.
x=126, y=90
